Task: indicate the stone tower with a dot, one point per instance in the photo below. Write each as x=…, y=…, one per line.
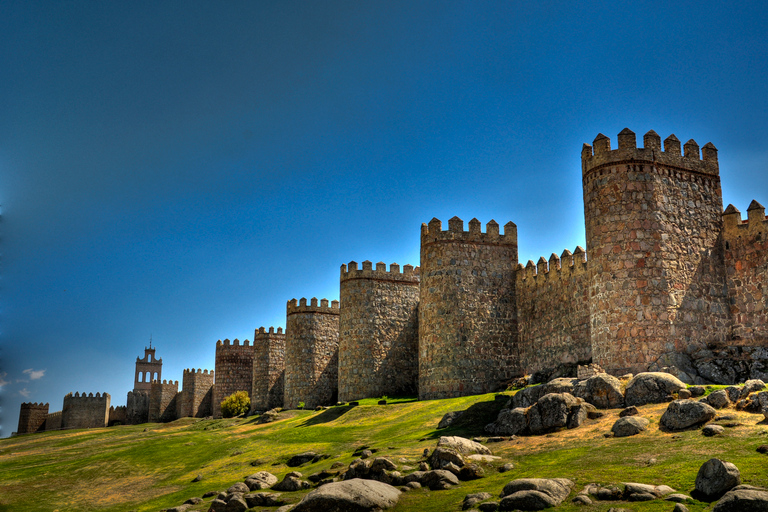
x=468, y=335
x=234, y=371
x=32, y=417
x=656, y=273
x=163, y=401
x=268, y=369
x=311, y=353
x=148, y=369
x=196, y=393
x=378, y=331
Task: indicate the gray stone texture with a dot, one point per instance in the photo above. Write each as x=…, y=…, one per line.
x=137, y=407
x=682, y=414
x=651, y=388
x=81, y=411
x=196, y=394
x=311, y=353
x=163, y=401
x=378, y=331
x=268, y=369
x=32, y=418
x=716, y=477
x=234, y=371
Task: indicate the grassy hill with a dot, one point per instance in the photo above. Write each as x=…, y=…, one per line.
x=150, y=467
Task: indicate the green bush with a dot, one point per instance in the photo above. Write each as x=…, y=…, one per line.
x=235, y=404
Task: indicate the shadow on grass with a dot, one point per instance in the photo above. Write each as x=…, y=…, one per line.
x=473, y=421
x=327, y=415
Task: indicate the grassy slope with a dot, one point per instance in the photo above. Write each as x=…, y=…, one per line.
x=125, y=468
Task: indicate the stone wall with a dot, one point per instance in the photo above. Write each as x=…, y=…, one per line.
x=311, y=353
x=655, y=264
x=234, y=371
x=137, y=407
x=468, y=335
x=53, y=421
x=746, y=259
x=196, y=399
x=81, y=411
x=553, y=312
x=268, y=369
x=378, y=331
x=32, y=417
x=117, y=415
x=162, y=401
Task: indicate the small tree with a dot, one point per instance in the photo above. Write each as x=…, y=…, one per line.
x=235, y=404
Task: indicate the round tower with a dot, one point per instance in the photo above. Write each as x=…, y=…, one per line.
x=653, y=218
x=268, y=369
x=467, y=312
x=311, y=353
x=378, y=331
x=234, y=371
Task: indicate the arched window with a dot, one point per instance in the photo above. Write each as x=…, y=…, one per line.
x=141, y=375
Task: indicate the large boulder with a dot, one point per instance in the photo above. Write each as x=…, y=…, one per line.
x=718, y=399
x=529, y=396
x=462, y=445
x=551, y=412
x=292, y=482
x=260, y=480
x=629, y=426
x=602, y=390
x=651, y=388
x=751, y=386
x=443, y=456
x=354, y=495
x=743, y=498
x=439, y=479
x=534, y=493
x=682, y=414
x=716, y=477
x=510, y=422
x=449, y=418
x=301, y=458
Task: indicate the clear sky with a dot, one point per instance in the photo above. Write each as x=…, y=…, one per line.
x=182, y=169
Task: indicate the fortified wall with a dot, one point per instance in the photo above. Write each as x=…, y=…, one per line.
x=234, y=367
x=163, y=401
x=378, y=331
x=311, y=353
x=196, y=394
x=137, y=407
x=81, y=411
x=268, y=375
x=32, y=417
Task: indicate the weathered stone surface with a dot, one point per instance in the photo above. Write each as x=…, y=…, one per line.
x=263, y=499
x=234, y=371
x=462, y=445
x=716, y=477
x=551, y=412
x=743, y=498
x=471, y=472
x=697, y=391
x=712, y=430
x=350, y=496
x=603, y=391
x=629, y=426
x=718, y=399
x=679, y=507
x=193, y=501
x=260, y=480
x=448, y=418
x=237, y=504
x=682, y=394
x=301, y=458
x=629, y=411
x=439, y=479
x=751, y=386
x=534, y=493
x=218, y=505
x=268, y=375
x=291, y=483
x=651, y=388
x=470, y=500
x=529, y=396
x=443, y=456
x=238, y=487
x=380, y=464
x=682, y=414
x=509, y=422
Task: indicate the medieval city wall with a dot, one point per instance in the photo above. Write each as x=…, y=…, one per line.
x=268, y=369
x=137, y=407
x=162, y=401
x=468, y=335
x=117, y=415
x=234, y=367
x=196, y=399
x=311, y=353
x=746, y=260
x=553, y=312
x=148, y=370
x=53, y=421
x=32, y=417
x=378, y=331
x=81, y=411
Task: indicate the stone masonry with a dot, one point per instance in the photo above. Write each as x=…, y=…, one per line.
x=234, y=371
x=378, y=331
x=268, y=369
x=162, y=401
x=468, y=336
x=148, y=369
x=137, y=407
x=196, y=394
x=81, y=411
x=311, y=353
x=32, y=417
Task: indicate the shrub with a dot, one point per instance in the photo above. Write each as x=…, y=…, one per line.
x=235, y=404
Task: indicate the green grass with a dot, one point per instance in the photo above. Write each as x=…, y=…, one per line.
x=150, y=467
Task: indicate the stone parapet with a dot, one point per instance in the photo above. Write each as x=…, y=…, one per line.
x=196, y=393
x=234, y=371
x=85, y=411
x=268, y=369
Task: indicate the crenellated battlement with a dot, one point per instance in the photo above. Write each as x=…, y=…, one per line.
x=691, y=158
x=34, y=405
x=166, y=383
x=755, y=222
x=262, y=331
x=409, y=274
x=568, y=263
x=235, y=343
x=323, y=307
x=192, y=371
x=433, y=232
x=98, y=396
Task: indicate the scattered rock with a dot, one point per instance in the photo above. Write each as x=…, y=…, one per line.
x=734, y=393
x=238, y=487
x=439, y=479
x=197, y=478
x=180, y=508
x=443, y=456
x=629, y=411
x=712, y=430
x=751, y=386
x=263, y=499
x=551, y=412
x=535, y=493
x=218, y=505
x=237, y=503
x=462, y=445
x=679, y=507
x=488, y=506
x=449, y=418
x=477, y=457
x=382, y=402
x=718, y=399
x=470, y=500
x=269, y=417
x=651, y=388
x=763, y=448
x=582, y=499
x=743, y=498
x=471, y=472
x=210, y=493
x=716, y=477
x=509, y=422
x=629, y=426
x=292, y=483
x=682, y=414
x=260, y=480
x=683, y=394
x=194, y=501
x=697, y=391
x=529, y=396
x=302, y=458
x=602, y=390
x=366, y=454
x=678, y=498
x=354, y=495
x=506, y=467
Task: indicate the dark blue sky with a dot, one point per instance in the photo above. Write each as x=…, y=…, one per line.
x=182, y=169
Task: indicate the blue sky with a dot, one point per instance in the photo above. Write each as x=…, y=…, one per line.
x=182, y=169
